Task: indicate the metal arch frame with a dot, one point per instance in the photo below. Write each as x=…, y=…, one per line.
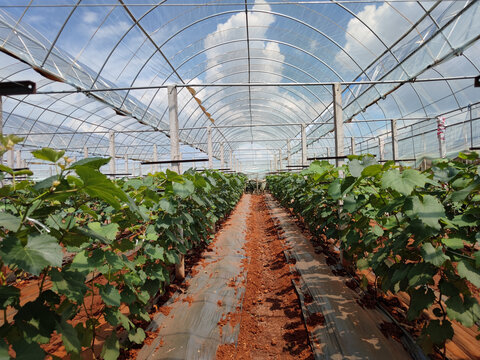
x=383, y=43
x=241, y=40
x=134, y=24
x=65, y=114
x=452, y=92
x=280, y=14
x=239, y=116
x=231, y=60
x=259, y=98
x=272, y=110
x=264, y=72
x=231, y=74
x=415, y=50
x=235, y=12
x=236, y=107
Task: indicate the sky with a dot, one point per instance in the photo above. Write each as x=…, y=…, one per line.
x=288, y=43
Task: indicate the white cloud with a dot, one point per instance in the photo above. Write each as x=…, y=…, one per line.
x=387, y=21
x=90, y=17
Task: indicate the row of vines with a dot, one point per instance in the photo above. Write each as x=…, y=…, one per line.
x=417, y=232
x=78, y=225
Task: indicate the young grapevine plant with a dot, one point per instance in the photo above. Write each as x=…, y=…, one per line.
x=99, y=250
x=417, y=232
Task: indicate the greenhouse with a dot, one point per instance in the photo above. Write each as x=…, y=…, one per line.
x=257, y=179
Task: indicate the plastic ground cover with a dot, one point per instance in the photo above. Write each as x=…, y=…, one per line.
x=191, y=329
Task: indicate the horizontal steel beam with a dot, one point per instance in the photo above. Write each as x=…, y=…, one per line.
x=326, y=83
x=173, y=161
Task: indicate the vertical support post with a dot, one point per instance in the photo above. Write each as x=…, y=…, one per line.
x=174, y=133
x=125, y=160
x=231, y=160
x=222, y=156
x=140, y=169
x=339, y=138
x=352, y=146
x=275, y=162
x=11, y=158
x=85, y=152
x=280, y=165
x=19, y=159
x=289, y=153
x=1, y=125
x=155, y=157
x=329, y=153
x=112, y=153
x=209, y=147
x=175, y=155
x=304, y=144
x=381, y=149
x=394, y=140
x=471, y=123
x=442, y=146
x=338, y=120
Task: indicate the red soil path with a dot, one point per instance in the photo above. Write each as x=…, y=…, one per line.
x=271, y=325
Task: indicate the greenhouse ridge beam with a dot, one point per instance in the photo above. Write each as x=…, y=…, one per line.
x=326, y=83
x=316, y=2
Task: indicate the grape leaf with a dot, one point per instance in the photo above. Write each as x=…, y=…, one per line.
x=110, y=295
x=40, y=251
x=404, y=182
x=453, y=243
x=434, y=255
x=428, y=209
x=111, y=348
x=420, y=300
x=9, y=221
x=184, y=189
x=467, y=271
x=48, y=154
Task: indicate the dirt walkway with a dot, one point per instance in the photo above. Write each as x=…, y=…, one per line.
x=271, y=326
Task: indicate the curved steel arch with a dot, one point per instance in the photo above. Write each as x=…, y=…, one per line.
x=235, y=12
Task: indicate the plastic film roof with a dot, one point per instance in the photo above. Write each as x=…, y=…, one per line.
x=126, y=44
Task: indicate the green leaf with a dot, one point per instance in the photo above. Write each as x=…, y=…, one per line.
x=108, y=232
x=428, y=209
x=69, y=283
x=421, y=274
x=434, y=255
x=111, y=348
x=46, y=183
x=4, y=350
x=183, y=190
x=9, y=296
x=48, y=154
x=453, y=243
x=465, y=311
x=168, y=206
x=98, y=186
x=9, y=221
x=362, y=264
x=136, y=335
x=40, y=251
x=372, y=170
x=420, y=300
x=28, y=350
x=377, y=230
x=439, y=331
x=110, y=295
x=93, y=162
x=69, y=337
x=356, y=166
x=468, y=271
x=334, y=189
x=403, y=182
